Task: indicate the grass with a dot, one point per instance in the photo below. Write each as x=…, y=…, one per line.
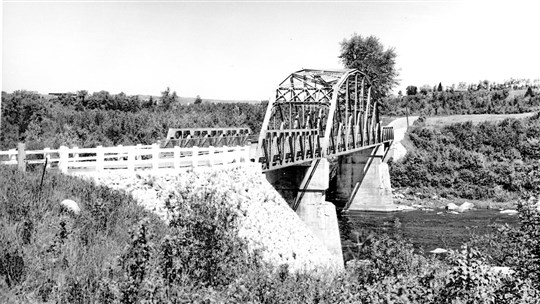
x=441, y=121
x=50, y=254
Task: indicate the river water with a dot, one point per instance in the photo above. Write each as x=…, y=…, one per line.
x=424, y=229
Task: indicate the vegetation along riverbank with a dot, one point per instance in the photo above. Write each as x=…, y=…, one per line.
x=493, y=163
x=116, y=251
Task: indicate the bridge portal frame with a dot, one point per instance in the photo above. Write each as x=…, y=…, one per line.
x=335, y=103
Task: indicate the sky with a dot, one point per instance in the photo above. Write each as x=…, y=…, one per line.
x=241, y=50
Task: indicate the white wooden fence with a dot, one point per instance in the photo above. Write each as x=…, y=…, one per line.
x=125, y=157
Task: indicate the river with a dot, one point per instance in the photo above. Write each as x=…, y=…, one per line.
x=424, y=229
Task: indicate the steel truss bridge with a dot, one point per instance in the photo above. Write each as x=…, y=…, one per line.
x=320, y=114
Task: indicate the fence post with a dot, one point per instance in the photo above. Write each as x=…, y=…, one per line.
x=247, y=155
x=21, y=157
x=176, y=157
x=155, y=156
x=195, y=157
x=64, y=156
x=100, y=158
x=139, y=147
x=131, y=158
x=225, y=157
x=120, y=153
x=75, y=153
x=238, y=154
x=211, y=155
x=47, y=156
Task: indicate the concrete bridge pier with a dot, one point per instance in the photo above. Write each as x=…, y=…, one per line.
x=363, y=179
x=304, y=188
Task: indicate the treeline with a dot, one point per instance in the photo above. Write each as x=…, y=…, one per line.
x=429, y=103
x=488, y=160
x=88, y=120
x=104, y=119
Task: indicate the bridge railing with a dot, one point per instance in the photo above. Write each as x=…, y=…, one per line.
x=347, y=140
x=284, y=147
x=387, y=134
x=206, y=137
x=206, y=141
x=125, y=157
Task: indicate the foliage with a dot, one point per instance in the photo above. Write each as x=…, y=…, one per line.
x=51, y=254
x=470, y=279
x=168, y=100
x=99, y=119
x=488, y=160
x=411, y=90
x=438, y=102
x=368, y=55
x=529, y=92
x=114, y=252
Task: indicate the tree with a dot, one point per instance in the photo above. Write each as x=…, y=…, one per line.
x=168, y=99
x=440, y=88
x=368, y=55
x=529, y=92
x=198, y=100
x=425, y=89
x=411, y=90
x=82, y=94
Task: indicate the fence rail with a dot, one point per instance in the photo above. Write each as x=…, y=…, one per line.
x=125, y=157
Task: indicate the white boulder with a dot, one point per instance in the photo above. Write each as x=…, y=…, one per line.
x=452, y=206
x=71, y=205
x=465, y=206
x=439, y=250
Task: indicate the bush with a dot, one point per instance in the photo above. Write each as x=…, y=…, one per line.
x=484, y=161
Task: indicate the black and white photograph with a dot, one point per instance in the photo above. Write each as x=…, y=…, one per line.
x=270, y=151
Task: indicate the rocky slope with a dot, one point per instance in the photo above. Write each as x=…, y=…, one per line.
x=265, y=219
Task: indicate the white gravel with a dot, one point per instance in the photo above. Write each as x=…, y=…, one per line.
x=265, y=220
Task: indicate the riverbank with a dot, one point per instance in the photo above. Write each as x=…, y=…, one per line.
x=265, y=220
x=422, y=201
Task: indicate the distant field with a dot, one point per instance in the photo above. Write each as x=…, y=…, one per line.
x=439, y=121
x=515, y=93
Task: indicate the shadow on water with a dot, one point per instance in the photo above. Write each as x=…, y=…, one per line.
x=426, y=230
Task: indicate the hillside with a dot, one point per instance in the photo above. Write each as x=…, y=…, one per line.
x=497, y=160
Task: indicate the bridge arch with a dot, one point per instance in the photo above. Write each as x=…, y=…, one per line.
x=319, y=113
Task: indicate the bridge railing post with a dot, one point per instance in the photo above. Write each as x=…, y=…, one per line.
x=237, y=154
x=131, y=152
x=21, y=157
x=64, y=158
x=211, y=155
x=100, y=158
x=195, y=157
x=75, y=151
x=47, y=156
x=139, y=148
x=120, y=153
x=176, y=157
x=247, y=154
x=155, y=156
x=225, y=157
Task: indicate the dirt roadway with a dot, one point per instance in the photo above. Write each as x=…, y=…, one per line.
x=398, y=151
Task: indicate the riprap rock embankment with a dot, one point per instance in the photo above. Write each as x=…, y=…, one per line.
x=265, y=220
